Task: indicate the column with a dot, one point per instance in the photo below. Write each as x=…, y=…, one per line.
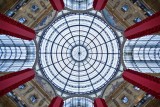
x=57, y=5
x=99, y=102
x=56, y=102
x=13, y=80
x=11, y=27
x=146, y=27
x=99, y=4
x=149, y=84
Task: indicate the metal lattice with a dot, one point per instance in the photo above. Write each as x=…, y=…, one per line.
x=79, y=53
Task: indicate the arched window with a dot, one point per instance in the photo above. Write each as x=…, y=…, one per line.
x=136, y=88
x=125, y=99
x=22, y=86
x=125, y=8
x=33, y=98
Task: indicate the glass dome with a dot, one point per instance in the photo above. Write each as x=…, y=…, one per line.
x=79, y=53
x=78, y=4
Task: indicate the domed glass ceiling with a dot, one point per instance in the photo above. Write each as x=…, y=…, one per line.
x=79, y=53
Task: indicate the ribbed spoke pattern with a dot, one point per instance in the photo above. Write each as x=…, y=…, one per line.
x=79, y=53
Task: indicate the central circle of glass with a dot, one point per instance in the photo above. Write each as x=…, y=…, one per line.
x=79, y=53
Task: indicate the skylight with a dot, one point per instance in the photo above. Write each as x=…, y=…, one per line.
x=79, y=53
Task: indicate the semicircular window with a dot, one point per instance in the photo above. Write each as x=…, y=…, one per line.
x=79, y=53
x=78, y=102
x=78, y=4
